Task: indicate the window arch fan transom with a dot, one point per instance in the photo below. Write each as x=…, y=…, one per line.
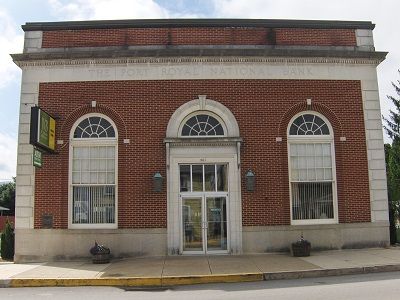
x=202, y=125
x=94, y=127
x=309, y=124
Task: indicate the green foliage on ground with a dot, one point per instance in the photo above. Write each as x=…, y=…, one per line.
x=7, y=242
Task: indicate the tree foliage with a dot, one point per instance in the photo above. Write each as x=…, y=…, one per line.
x=7, y=197
x=392, y=156
x=392, y=123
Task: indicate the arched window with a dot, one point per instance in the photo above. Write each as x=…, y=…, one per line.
x=312, y=170
x=93, y=173
x=94, y=127
x=202, y=124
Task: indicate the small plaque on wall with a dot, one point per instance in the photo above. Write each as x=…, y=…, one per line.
x=47, y=221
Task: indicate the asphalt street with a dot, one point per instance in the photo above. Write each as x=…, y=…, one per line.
x=380, y=286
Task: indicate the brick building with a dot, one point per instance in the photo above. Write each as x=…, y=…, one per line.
x=201, y=136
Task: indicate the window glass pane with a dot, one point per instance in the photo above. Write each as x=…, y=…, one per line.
x=310, y=162
x=302, y=160
x=311, y=175
x=94, y=120
x=110, y=177
x=293, y=150
x=295, y=175
x=85, y=177
x=110, y=152
x=222, y=178
x=301, y=150
x=110, y=164
x=303, y=174
x=312, y=201
x=103, y=151
x=76, y=177
x=324, y=129
x=318, y=149
x=93, y=204
x=94, y=164
x=308, y=118
x=293, y=130
x=102, y=177
x=326, y=149
x=76, y=165
x=93, y=177
x=85, y=164
x=110, y=132
x=209, y=173
x=185, y=130
x=202, y=118
x=78, y=132
x=102, y=164
x=219, y=130
x=197, y=177
x=327, y=162
x=328, y=174
x=319, y=163
x=319, y=172
x=184, y=178
x=294, y=162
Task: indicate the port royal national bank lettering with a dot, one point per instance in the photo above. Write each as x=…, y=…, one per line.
x=195, y=136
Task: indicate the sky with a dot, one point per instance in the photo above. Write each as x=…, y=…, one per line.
x=14, y=13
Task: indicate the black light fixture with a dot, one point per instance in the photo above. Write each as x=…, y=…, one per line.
x=250, y=180
x=157, y=182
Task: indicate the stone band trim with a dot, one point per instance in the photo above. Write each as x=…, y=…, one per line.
x=184, y=60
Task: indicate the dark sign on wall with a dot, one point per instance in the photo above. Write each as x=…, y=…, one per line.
x=43, y=129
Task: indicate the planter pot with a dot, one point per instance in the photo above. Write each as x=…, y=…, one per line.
x=101, y=258
x=300, y=249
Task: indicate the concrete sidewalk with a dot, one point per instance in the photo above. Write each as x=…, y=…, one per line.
x=177, y=270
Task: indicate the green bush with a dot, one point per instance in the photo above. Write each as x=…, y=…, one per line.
x=7, y=242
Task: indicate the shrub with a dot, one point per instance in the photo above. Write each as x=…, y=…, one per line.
x=7, y=242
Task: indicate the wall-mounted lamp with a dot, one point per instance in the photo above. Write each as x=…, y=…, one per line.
x=157, y=182
x=250, y=180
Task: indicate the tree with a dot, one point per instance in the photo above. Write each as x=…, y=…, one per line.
x=392, y=156
x=392, y=126
x=7, y=197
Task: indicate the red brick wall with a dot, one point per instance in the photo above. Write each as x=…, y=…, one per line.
x=3, y=221
x=142, y=109
x=197, y=36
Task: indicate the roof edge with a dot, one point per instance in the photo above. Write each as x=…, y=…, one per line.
x=152, y=23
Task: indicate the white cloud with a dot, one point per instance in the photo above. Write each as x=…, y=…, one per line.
x=11, y=42
x=8, y=158
x=106, y=10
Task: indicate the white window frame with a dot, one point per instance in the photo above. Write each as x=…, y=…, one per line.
x=314, y=139
x=85, y=142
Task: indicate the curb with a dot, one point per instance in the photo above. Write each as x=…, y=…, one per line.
x=166, y=281
x=132, y=281
x=330, y=272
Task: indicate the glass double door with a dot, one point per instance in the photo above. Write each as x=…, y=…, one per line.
x=204, y=224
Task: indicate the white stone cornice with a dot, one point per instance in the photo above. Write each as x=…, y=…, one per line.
x=185, y=60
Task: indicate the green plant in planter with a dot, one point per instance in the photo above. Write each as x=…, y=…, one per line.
x=7, y=242
x=300, y=248
x=101, y=254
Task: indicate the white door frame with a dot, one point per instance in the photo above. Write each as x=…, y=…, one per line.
x=226, y=154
